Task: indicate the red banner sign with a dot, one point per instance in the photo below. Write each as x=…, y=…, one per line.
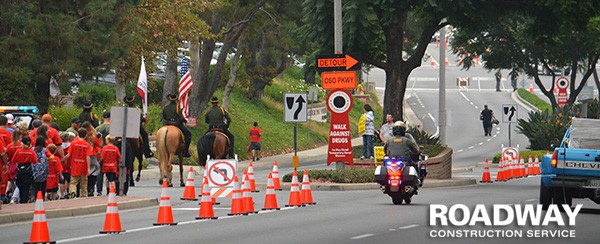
x=339, y=103
x=562, y=83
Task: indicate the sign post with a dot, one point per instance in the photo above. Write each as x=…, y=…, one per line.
x=295, y=110
x=339, y=103
x=562, y=83
x=130, y=128
x=510, y=114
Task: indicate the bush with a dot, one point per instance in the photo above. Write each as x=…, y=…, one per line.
x=592, y=112
x=99, y=95
x=353, y=175
x=534, y=100
x=422, y=137
x=63, y=115
x=545, y=128
x=525, y=154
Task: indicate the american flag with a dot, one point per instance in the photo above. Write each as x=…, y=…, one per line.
x=185, y=85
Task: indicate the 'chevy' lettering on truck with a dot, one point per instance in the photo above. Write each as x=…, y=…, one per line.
x=579, y=165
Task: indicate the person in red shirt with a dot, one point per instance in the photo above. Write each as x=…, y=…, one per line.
x=24, y=158
x=52, y=133
x=67, y=138
x=78, y=156
x=110, y=158
x=54, y=173
x=255, y=133
x=5, y=135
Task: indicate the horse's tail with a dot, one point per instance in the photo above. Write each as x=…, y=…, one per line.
x=204, y=147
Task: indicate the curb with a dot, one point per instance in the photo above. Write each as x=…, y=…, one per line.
x=525, y=104
x=78, y=211
x=374, y=186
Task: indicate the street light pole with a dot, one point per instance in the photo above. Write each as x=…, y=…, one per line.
x=442, y=87
x=337, y=26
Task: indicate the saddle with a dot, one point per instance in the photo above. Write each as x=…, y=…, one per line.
x=220, y=131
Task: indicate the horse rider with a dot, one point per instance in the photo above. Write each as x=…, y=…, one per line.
x=217, y=118
x=171, y=115
x=129, y=99
x=87, y=115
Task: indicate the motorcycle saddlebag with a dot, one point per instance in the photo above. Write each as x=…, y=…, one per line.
x=409, y=174
x=381, y=175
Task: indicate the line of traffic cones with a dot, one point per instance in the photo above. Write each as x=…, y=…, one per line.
x=39, y=227
x=189, y=193
x=112, y=221
x=165, y=212
x=306, y=193
x=512, y=169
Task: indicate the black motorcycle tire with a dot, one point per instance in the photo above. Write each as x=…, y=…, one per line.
x=397, y=199
x=408, y=200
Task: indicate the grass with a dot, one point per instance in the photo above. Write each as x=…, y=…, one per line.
x=534, y=100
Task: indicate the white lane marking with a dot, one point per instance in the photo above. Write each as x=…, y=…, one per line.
x=460, y=150
x=471, y=147
x=463, y=95
x=437, y=128
x=530, y=200
x=408, y=227
x=195, y=209
x=392, y=229
x=361, y=236
x=481, y=143
x=79, y=238
x=489, y=139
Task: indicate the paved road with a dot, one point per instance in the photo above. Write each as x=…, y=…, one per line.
x=343, y=216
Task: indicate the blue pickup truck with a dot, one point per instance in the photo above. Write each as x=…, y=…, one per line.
x=573, y=169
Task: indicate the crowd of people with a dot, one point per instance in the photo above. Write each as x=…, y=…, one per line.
x=78, y=162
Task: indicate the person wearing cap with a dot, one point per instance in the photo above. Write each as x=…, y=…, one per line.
x=104, y=128
x=217, y=118
x=74, y=125
x=87, y=115
x=78, y=157
x=10, y=120
x=171, y=115
x=129, y=99
x=53, y=134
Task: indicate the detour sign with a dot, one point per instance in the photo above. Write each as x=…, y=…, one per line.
x=338, y=80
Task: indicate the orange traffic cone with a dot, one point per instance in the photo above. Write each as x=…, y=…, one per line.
x=306, y=193
x=432, y=63
x=39, y=228
x=522, y=172
x=295, y=192
x=270, y=197
x=529, y=166
x=165, y=212
x=206, y=205
x=437, y=41
x=500, y=173
x=486, y=178
x=112, y=221
x=446, y=61
x=531, y=87
x=276, y=181
x=237, y=205
x=251, y=178
x=212, y=199
x=189, y=193
x=536, y=164
x=247, y=196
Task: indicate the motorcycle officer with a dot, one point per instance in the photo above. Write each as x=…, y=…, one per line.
x=400, y=145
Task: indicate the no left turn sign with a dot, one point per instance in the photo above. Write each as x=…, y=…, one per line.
x=221, y=173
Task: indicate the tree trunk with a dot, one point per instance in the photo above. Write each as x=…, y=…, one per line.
x=171, y=85
x=120, y=85
x=232, y=75
x=43, y=94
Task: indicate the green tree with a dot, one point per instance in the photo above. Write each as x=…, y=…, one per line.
x=533, y=35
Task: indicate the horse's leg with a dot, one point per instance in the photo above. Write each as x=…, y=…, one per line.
x=170, y=169
x=140, y=165
x=181, y=170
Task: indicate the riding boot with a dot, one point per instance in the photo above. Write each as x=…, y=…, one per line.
x=146, y=144
x=187, y=137
x=231, y=144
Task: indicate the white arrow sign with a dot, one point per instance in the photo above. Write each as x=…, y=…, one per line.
x=295, y=107
x=510, y=113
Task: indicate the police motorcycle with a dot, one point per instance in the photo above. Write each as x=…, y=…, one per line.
x=399, y=179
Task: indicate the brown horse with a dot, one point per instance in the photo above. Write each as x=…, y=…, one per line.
x=169, y=142
x=214, y=143
x=138, y=152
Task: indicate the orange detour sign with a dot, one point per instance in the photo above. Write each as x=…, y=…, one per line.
x=337, y=62
x=338, y=80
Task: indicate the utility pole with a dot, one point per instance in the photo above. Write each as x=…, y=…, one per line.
x=337, y=26
x=442, y=88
